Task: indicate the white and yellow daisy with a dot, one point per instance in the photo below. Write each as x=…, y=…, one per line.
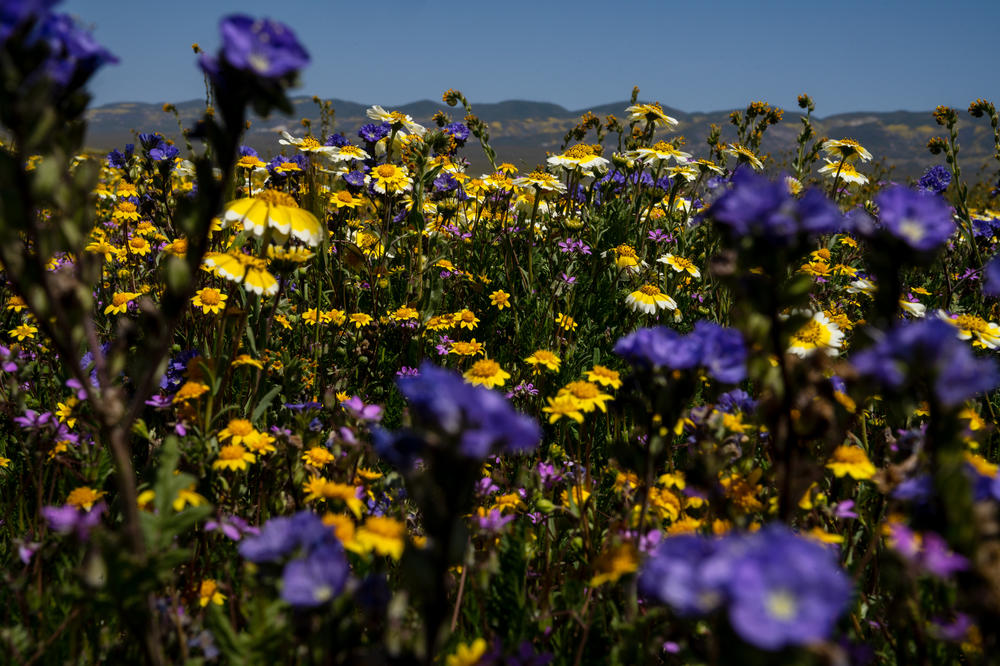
x=818, y=334
x=648, y=298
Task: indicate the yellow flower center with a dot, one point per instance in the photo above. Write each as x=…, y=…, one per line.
x=625, y=251
x=649, y=290
x=120, y=299
x=811, y=333
x=127, y=207
x=485, y=368
x=210, y=296
x=138, y=243
x=582, y=150
x=386, y=171
x=240, y=427
x=971, y=323
x=309, y=143
x=277, y=198
x=583, y=390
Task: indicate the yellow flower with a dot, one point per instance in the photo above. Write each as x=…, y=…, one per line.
x=360, y=319
x=500, y=299
x=588, y=397
x=605, y=377
x=680, y=264
x=543, y=358
x=565, y=322
x=239, y=267
x=843, y=171
x=846, y=149
x=819, y=333
x=851, y=461
x=470, y=348
x=389, y=178
x=615, y=563
x=275, y=211
x=233, y=456
x=245, y=359
x=125, y=210
x=386, y=536
x=15, y=303
x=486, y=373
x=189, y=390
x=404, y=313
x=318, y=457
x=319, y=488
x=4, y=462
x=209, y=593
x=648, y=298
x=236, y=431
x=651, y=113
x=139, y=245
x=84, y=497
x=564, y=405
x=119, y=302
x=467, y=655
x=466, y=318
x=23, y=331
x=186, y=496
x=984, y=334
x=742, y=153
x=259, y=443
x=577, y=495
x=210, y=300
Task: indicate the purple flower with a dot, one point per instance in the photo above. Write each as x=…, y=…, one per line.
x=280, y=536
x=459, y=131
x=683, y=573
x=338, y=140
x=785, y=590
x=991, y=278
x=234, y=527
x=927, y=350
x=372, y=133
x=935, y=180
x=263, y=47
x=920, y=219
x=317, y=578
x=719, y=350
x=354, y=178
x=494, y=521
x=481, y=420
x=74, y=54
x=120, y=160
x=757, y=206
x=360, y=410
x=660, y=236
x=33, y=420
x=68, y=518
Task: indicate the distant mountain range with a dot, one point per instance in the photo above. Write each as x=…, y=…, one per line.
x=523, y=131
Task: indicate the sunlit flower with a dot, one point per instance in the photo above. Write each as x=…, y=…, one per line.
x=233, y=456
x=120, y=302
x=467, y=654
x=604, y=376
x=743, y=153
x=466, y=318
x=581, y=156
x=208, y=593
x=653, y=113
x=470, y=348
x=843, y=171
x=587, y=395
x=84, y=497
x=210, y=300
x=565, y=323
x=659, y=152
x=851, y=461
x=385, y=536
x=500, y=299
x=22, y=332
x=139, y=246
x=845, y=149
x=544, y=359
x=307, y=144
x=274, y=212
x=318, y=488
x=648, y=298
x=236, y=431
x=344, y=199
x=564, y=405
x=680, y=264
x=984, y=334
x=360, y=319
x=486, y=372
x=242, y=268
x=318, y=457
x=402, y=120
x=819, y=333
x=189, y=390
x=125, y=210
x=541, y=180
x=389, y=178
x=615, y=563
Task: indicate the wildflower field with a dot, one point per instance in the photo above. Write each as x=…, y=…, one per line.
x=660, y=399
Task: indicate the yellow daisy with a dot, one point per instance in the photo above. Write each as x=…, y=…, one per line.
x=210, y=300
x=277, y=211
x=486, y=372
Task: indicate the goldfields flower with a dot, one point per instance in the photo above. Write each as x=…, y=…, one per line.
x=984, y=334
x=385, y=536
x=318, y=488
x=680, y=264
x=470, y=348
x=120, y=302
x=851, y=461
x=259, y=443
x=652, y=112
x=189, y=390
x=210, y=300
x=466, y=318
x=233, y=456
x=318, y=457
x=404, y=313
x=139, y=246
x=241, y=268
x=846, y=149
x=344, y=199
x=125, y=210
x=389, y=178
x=741, y=152
x=648, y=298
x=360, y=319
x=486, y=372
x=467, y=654
x=276, y=211
x=565, y=323
x=543, y=358
x=587, y=395
x=22, y=331
x=819, y=333
x=564, y=405
x=844, y=170
x=500, y=298
x=84, y=497
x=236, y=431
x=208, y=593
x=605, y=377
x=246, y=359
x=615, y=563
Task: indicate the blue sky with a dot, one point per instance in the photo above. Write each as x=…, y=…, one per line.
x=695, y=55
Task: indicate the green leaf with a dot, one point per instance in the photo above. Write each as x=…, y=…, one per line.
x=264, y=403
